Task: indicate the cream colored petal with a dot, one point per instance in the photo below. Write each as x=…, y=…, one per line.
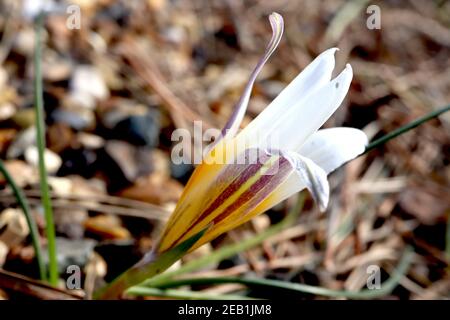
x=315, y=75
x=293, y=128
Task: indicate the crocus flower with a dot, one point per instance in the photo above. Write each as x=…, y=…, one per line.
x=222, y=195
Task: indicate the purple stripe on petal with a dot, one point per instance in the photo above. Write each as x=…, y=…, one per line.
x=259, y=190
x=242, y=172
x=249, y=172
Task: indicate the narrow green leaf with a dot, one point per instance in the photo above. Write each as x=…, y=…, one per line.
x=447, y=238
x=40, y=139
x=395, y=133
x=385, y=288
x=30, y=220
x=183, y=294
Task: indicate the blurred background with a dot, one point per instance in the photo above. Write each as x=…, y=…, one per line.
x=122, y=75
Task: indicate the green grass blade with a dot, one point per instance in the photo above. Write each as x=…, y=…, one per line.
x=183, y=294
x=395, y=133
x=40, y=139
x=447, y=239
x=385, y=289
x=30, y=220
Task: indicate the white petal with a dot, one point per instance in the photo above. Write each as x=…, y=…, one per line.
x=314, y=76
x=312, y=176
x=294, y=127
x=330, y=148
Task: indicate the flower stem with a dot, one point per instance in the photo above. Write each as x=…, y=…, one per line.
x=30, y=220
x=40, y=139
x=405, y=128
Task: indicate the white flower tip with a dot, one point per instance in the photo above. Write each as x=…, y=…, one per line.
x=359, y=142
x=348, y=70
x=344, y=78
x=323, y=203
x=362, y=138
x=275, y=15
x=276, y=19
x=321, y=196
x=324, y=63
x=348, y=67
x=313, y=176
x=333, y=50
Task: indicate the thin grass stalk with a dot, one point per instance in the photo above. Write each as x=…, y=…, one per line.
x=385, y=288
x=447, y=240
x=184, y=294
x=40, y=139
x=407, y=127
x=23, y=202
